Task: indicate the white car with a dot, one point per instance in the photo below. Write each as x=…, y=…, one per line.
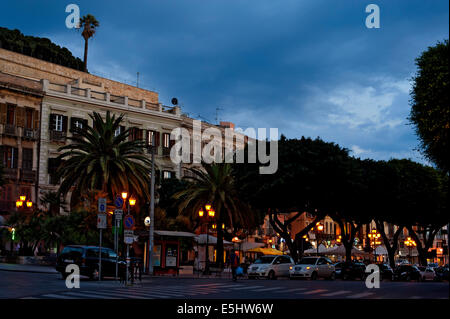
x=270, y=267
x=313, y=267
x=427, y=273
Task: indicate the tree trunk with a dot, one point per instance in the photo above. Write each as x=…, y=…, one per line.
x=219, y=247
x=85, y=53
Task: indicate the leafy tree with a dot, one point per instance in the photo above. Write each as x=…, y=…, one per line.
x=214, y=184
x=97, y=159
x=422, y=195
x=430, y=109
x=89, y=24
x=40, y=48
x=309, y=178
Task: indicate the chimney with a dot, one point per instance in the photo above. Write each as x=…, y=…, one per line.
x=227, y=125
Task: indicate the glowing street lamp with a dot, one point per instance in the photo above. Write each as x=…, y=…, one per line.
x=19, y=203
x=124, y=195
x=410, y=243
x=319, y=229
x=132, y=201
x=210, y=215
x=22, y=198
x=374, y=238
x=29, y=204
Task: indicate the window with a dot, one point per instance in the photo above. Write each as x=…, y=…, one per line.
x=135, y=134
x=53, y=164
x=119, y=131
x=27, y=159
x=29, y=118
x=167, y=174
x=58, y=123
x=10, y=115
x=77, y=124
x=9, y=156
x=166, y=140
x=152, y=135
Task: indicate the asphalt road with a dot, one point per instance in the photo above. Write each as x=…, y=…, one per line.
x=51, y=286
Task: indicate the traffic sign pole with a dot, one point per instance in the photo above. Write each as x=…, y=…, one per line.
x=100, y=257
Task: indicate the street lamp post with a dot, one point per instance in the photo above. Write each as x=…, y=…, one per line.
x=410, y=243
x=374, y=238
x=319, y=229
x=209, y=216
x=152, y=210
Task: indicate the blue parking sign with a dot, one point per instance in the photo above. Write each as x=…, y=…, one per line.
x=118, y=202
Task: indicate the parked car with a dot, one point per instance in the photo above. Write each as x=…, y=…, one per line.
x=441, y=273
x=313, y=267
x=407, y=272
x=386, y=272
x=427, y=273
x=87, y=259
x=270, y=267
x=433, y=265
x=352, y=270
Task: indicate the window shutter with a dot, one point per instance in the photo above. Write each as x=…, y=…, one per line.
x=16, y=156
x=147, y=137
x=52, y=124
x=36, y=119
x=171, y=142
x=20, y=116
x=2, y=156
x=85, y=124
x=64, y=124
x=3, y=111
x=72, y=123
x=157, y=139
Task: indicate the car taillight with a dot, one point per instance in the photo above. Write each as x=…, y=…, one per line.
x=83, y=262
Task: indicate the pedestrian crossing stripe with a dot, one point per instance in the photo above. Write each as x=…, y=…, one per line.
x=312, y=292
x=336, y=293
x=362, y=295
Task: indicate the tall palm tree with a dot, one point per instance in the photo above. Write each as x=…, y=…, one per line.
x=214, y=184
x=98, y=160
x=89, y=24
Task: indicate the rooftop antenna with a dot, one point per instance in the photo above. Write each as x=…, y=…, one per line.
x=137, y=80
x=217, y=114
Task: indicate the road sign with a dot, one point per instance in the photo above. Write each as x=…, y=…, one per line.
x=128, y=237
x=128, y=222
x=118, y=201
x=101, y=221
x=102, y=205
x=118, y=213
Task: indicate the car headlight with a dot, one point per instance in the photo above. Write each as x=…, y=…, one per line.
x=290, y=267
x=308, y=268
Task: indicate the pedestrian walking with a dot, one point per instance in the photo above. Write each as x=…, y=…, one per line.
x=234, y=263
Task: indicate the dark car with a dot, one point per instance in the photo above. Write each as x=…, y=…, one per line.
x=350, y=270
x=87, y=259
x=441, y=273
x=386, y=272
x=407, y=272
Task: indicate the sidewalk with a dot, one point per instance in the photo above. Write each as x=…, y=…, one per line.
x=28, y=268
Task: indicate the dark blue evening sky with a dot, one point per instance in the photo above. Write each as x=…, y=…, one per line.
x=309, y=68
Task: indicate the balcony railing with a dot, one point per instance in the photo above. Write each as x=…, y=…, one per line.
x=10, y=173
x=58, y=136
x=10, y=130
x=31, y=134
x=28, y=175
x=166, y=151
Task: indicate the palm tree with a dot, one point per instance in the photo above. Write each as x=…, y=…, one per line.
x=89, y=24
x=214, y=184
x=99, y=160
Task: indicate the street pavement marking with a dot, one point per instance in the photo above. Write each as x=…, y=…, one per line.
x=295, y=289
x=336, y=293
x=160, y=291
x=312, y=292
x=153, y=294
x=86, y=295
x=229, y=286
x=362, y=295
x=206, y=285
x=246, y=287
x=58, y=296
x=269, y=289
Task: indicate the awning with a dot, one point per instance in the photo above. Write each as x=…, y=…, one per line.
x=265, y=251
x=201, y=240
x=174, y=233
x=340, y=250
x=322, y=250
x=247, y=246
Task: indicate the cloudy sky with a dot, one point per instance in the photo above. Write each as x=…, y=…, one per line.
x=308, y=68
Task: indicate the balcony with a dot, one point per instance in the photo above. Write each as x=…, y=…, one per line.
x=10, y=130
x=166, y=151
x=10, y=173
x=27, y=175
x=30, y=134
x=57, y=136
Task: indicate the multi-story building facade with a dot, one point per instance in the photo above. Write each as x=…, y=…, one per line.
x=20, y=101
